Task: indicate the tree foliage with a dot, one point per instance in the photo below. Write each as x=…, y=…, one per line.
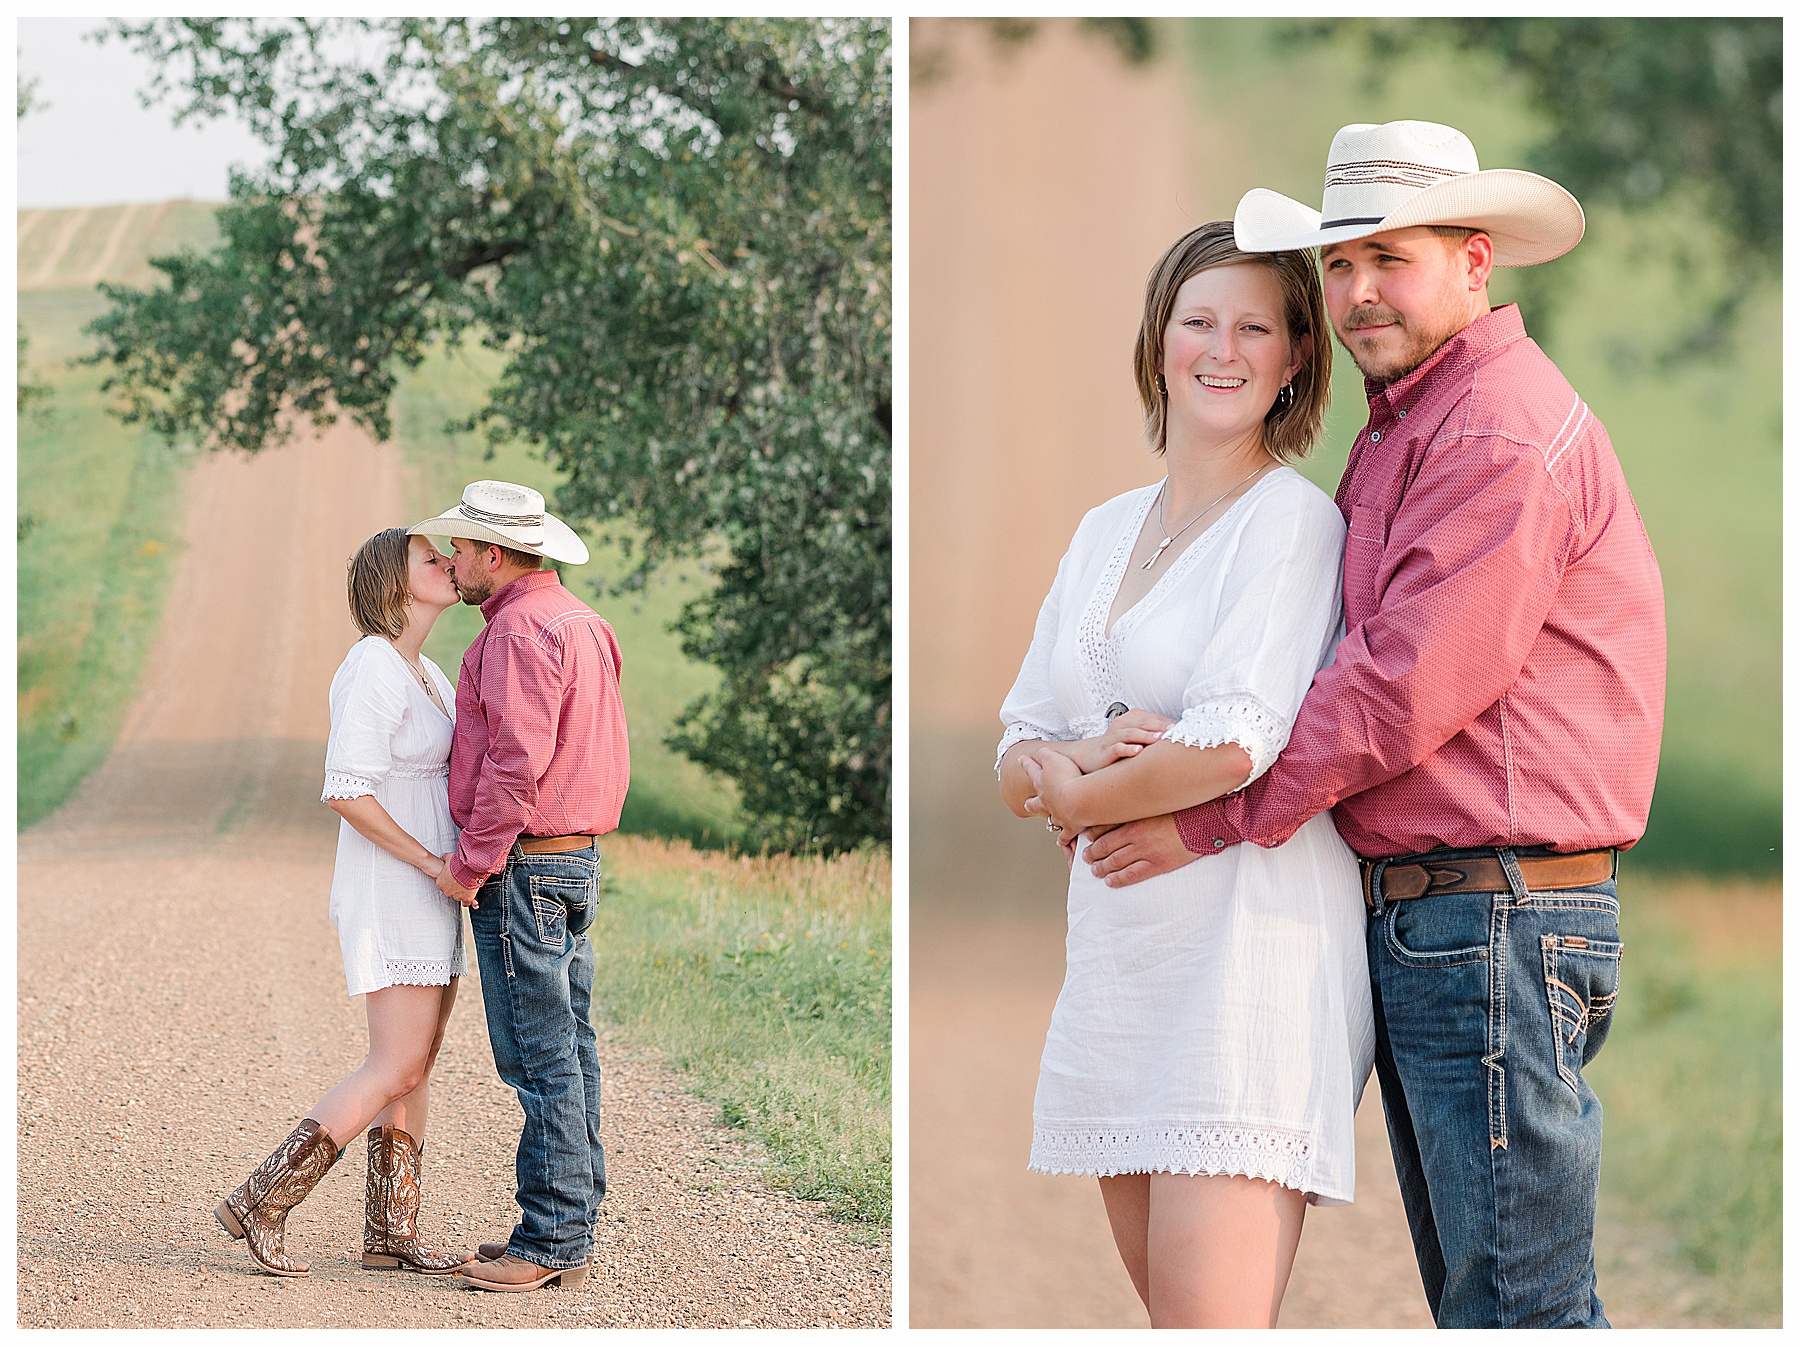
x=1134, y=40
x=1640, y=113
x=677, y=231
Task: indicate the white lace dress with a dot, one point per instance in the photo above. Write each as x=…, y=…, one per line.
x=389, y=740
x=1217, y=1019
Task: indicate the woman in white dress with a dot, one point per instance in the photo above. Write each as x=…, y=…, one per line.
x=1214, y=1030
x=386, y=775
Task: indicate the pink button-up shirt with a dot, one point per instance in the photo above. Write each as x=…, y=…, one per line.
x=1501, y=678
x=540, y=746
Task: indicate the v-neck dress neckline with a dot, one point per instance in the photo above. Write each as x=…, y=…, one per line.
x=1099, y=643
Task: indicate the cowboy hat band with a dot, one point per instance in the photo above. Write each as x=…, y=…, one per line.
x=508, y=515
x=521, y=521
x=1405, y=174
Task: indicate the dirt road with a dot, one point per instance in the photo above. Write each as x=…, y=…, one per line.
x=181, y=1002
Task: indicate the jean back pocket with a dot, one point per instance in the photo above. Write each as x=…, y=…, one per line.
x=1581, y=979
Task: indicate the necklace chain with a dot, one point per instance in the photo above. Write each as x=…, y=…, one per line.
x=1162, y=521
x=419, y=673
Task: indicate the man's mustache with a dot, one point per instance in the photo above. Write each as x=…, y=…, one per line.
x=1371, y=315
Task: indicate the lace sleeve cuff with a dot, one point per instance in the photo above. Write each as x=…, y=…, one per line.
x=1022, y=733
x=344, y=785
x=1244, y=721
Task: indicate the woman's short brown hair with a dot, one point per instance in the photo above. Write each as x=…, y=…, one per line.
x=1290, y=431
x=380, y=583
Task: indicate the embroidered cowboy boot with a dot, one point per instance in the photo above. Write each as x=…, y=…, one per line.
x=391, y=1209
x=257, y=1211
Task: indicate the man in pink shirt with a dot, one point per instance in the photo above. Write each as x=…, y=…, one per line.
x=539, y=765
x=1486, y=734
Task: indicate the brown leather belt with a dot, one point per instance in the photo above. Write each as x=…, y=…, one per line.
x=1483, y=874
x=554, y=845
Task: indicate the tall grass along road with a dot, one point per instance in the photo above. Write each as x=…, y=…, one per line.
x=181, y=1001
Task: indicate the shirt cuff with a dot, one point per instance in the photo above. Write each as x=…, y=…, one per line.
x=1204, y=830
x=467, y=877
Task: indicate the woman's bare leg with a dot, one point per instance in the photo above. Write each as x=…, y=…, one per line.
x=404, y=1022
x=1220, y=1250
x=410, y=1113
x=1127, y=1200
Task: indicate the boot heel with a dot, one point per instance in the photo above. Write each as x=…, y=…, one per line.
x=222, y=1213
x=377, y=1262
x=573, y=1278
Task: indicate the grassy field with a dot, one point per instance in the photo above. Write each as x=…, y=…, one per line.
x=769, y=981
x=1700, y=441
x=1690, y=1078
x=99, y=528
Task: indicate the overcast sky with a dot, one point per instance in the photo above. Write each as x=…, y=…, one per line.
x=95, y=144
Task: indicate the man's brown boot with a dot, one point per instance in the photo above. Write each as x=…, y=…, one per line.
x=391, y=1209
x=515, y=1273
x=257, y=1212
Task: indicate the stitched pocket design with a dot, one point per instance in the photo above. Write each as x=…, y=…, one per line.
x=562, y=906
x=1581, y=980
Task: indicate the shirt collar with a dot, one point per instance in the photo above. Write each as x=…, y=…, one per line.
x=1489, y=333
x=535, y=579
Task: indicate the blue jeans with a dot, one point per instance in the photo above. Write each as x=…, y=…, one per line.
x=1487, y=1006
x=537, y=974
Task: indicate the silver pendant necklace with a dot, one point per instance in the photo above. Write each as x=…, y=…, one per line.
x=1162, y=521
x=419, y=673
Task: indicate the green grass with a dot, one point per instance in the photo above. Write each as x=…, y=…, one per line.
x=1700, y=442
x=670, y=796
x=768, y=980
x=99, y=529
x=1690, y=1078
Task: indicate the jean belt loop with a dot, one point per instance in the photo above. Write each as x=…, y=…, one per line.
x=1510, y=863
x=1375, y=874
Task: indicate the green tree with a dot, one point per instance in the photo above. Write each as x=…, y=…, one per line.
x=677, y=231
x=1639, y=113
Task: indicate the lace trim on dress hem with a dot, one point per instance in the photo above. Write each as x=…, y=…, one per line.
x=424, y=971
x=1275, y=1154
x=1244, y=721
x=344, y=785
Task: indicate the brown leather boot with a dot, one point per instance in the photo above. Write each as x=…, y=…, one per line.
x=507, y=1272
x=257, y=1212
x=391, y=1209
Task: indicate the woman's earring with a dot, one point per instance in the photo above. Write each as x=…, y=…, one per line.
x=1161, y=386
x=1285, y=398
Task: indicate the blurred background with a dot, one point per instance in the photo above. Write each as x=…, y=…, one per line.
x=1052, y=162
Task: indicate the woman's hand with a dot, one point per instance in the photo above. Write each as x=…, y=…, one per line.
x=431, y=866
x=1053, y=776
x=1126, y=736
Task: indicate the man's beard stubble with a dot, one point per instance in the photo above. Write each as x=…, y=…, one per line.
x=1419, y=347
x=472, y=596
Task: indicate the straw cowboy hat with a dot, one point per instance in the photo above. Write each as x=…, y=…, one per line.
x=513, y=516
x=1405, y=174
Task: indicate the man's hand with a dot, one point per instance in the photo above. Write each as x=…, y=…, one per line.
x=450, y=888
x=1132, y=852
